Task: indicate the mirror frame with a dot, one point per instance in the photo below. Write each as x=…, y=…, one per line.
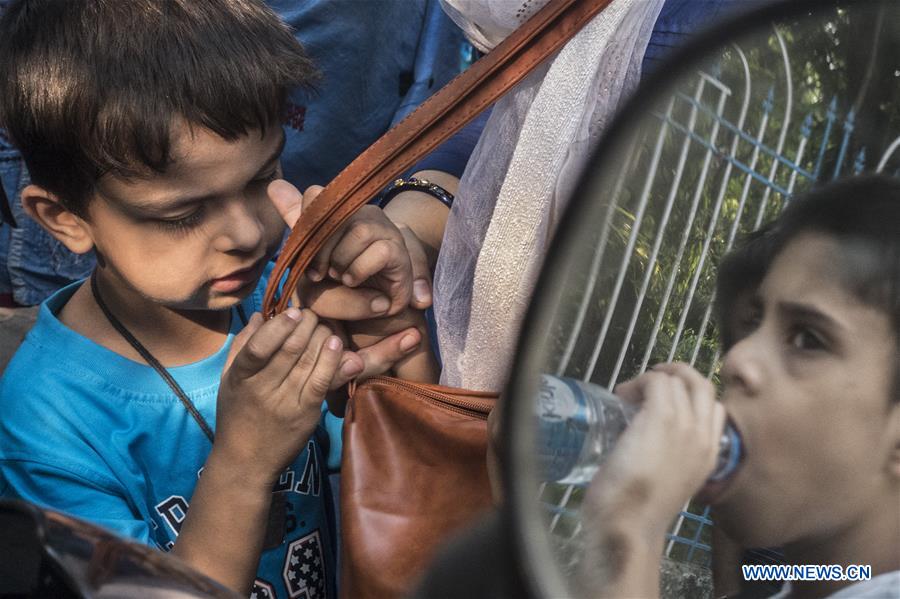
x=522, y=525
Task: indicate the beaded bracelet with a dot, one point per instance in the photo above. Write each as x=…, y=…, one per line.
x=413, y=184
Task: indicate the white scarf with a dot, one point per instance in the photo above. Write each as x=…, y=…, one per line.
x=521, y=175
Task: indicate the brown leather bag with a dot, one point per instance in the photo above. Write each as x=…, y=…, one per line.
x=413, y=469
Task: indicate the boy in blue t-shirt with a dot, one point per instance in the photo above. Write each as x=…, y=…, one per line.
x=151, y=131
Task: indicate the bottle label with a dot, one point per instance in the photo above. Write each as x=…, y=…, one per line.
x=563, y=422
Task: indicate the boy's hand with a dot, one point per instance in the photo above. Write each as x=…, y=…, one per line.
x=666, y=453
x=271, y=394
x=368, y=249
x=659, y=462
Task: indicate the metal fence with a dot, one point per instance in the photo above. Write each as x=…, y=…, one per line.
x=720, y=158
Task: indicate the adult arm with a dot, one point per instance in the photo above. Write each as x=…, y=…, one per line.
x=423, y=214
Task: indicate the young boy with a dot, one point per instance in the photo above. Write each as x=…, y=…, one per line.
x=151, y=131
x=812, y=384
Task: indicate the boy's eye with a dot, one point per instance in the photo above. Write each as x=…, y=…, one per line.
x=183, y=223
x=804, y=338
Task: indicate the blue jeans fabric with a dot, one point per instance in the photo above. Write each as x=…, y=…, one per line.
x=32, y=263
x=680, y=21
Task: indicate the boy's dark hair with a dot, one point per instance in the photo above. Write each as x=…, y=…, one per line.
x=740, y=273
x=90, y=87
x=863, y=214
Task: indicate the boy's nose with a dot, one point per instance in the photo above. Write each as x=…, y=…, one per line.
x=242, y=230
x=742, y=368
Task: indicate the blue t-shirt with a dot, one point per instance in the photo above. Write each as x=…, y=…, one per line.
x=86, y=431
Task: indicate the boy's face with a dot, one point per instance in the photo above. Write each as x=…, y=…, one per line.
x=808, y=388
x=199, y=235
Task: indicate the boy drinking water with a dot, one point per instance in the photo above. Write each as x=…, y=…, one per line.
x=811, y=382
x=151, y=130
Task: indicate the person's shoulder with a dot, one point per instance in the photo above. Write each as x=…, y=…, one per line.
x=54, y=369
x=48, y=352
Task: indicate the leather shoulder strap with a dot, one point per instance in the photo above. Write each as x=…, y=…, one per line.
x=435, y=120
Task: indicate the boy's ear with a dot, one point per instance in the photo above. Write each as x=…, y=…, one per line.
x=45, y=207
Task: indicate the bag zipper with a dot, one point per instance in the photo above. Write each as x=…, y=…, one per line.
x=477, y=408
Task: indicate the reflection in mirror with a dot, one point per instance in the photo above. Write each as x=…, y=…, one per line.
x=703, y=158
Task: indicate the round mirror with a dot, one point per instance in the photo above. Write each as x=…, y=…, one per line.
x=708, y=151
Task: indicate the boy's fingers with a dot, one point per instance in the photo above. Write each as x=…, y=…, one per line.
x=664, y=397
x=390, y=260
x=290, y=204
x=717, y=422
x=298, y=377
x=321, y=262
x=380, y=357
x=351, y=365
x=631, y=391
x=310, y=194
x=293, y=349
x=263, y=343
x=701, y=390
x=696, y=382
x=256, y=321
x=287, y=199
x=319, y=380
x=369, y=262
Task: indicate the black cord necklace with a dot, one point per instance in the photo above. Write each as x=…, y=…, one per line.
x=151, y=359
x=277, y=521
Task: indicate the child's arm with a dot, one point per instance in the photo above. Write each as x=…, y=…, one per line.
x=662, y=459
x=269, y=404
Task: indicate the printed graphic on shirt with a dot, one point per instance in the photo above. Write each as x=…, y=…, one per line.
x=174, y=511
x=262, y=589
x=285, y=482
x=311, y=480
x=304, y=567
x=174, y=508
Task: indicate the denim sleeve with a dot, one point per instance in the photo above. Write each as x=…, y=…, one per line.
x=680, y=21
x=438, y=58
x=10, y=167
x=32, y=263
x=453, y=155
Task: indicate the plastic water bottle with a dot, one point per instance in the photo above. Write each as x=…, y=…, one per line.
x=579, y=423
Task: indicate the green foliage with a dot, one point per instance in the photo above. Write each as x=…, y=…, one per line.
x=671, y=226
